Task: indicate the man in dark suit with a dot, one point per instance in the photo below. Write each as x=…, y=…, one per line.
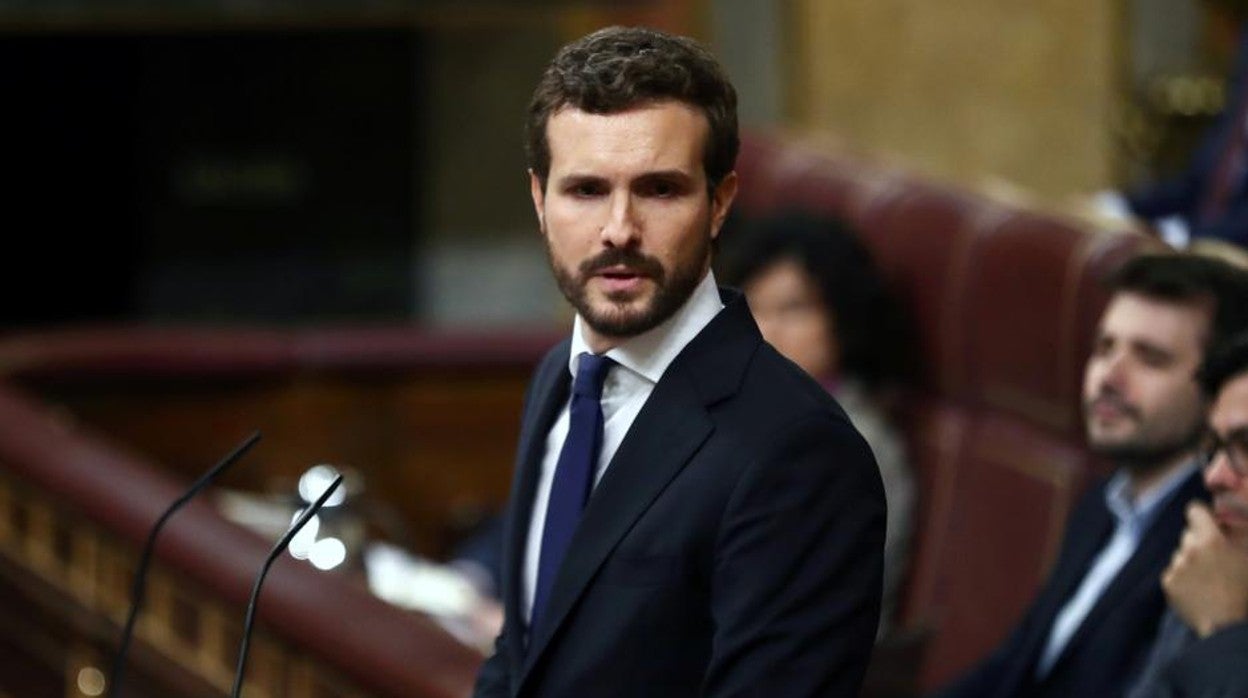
x=691, y=514
x=1089, y=630
x=1204, y=636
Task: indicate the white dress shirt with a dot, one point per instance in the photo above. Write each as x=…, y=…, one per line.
x=1133, y=520
x=641, y=362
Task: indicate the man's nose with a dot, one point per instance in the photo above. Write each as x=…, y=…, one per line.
x=621, y=228
x=1219, y=475
x=1114, y=372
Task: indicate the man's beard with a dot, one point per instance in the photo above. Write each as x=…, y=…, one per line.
x=1145, y=458
x=670, y=292
x=1140, y=455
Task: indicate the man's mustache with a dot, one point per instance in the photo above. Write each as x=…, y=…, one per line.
x=622, y=257
x=1115, y=400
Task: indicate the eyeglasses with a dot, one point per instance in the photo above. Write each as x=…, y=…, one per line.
x=1234, y=446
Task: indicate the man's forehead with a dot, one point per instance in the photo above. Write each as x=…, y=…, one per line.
x=665, y=133
x=1135, y=314
x=570, y=110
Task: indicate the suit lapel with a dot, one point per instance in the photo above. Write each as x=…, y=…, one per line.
x=549, y=393
x=1092, y=535
x=672, y=426
x=1087, y=532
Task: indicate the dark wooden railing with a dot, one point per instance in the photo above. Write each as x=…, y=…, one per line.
x=75, y=504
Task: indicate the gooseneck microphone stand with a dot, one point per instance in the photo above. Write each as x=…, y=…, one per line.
x=255, y=591
x=145, y=558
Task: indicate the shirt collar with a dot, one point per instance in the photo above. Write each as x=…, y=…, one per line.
x=651, y=352
x=1140, y=513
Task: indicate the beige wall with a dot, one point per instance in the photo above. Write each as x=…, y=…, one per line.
x=965, y=89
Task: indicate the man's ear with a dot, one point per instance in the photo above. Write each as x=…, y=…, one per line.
x=721, y=201
x=538, y=192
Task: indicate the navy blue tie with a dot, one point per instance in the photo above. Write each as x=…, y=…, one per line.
x=574, y=474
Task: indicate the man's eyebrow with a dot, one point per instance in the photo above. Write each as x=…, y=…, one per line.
x=1152, y=348
x=1238, y=434
x=578, y=177
x=666, y=174
x=675, y=174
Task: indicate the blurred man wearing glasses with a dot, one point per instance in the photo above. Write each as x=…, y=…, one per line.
x=1204, y=636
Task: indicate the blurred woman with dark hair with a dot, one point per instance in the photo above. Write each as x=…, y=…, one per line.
x=818, y=299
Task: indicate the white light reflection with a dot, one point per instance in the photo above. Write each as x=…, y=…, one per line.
x=315, y=481
x=91, y=681
x=301, y=545
x=327, y=554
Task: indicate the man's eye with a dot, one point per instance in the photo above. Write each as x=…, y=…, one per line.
x=585, y=189
x=1238, y=445
x=661, y=189
x=1156, y=359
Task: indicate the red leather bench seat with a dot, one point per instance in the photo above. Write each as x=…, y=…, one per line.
x=1004, y=303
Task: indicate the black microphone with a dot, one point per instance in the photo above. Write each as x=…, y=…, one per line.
x=255, y=590
x=145, y=559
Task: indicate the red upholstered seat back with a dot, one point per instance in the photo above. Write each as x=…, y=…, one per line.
x=1004, y=303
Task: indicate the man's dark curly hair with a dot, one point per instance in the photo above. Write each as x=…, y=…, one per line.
x=1225, y=361
x=618, y=68
x=1180, y=277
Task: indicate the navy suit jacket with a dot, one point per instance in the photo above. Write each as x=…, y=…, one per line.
x=734, y=546
x=1184, y=194
x=1108, y=651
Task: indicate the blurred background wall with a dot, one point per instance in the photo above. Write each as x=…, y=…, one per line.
x=247, y=162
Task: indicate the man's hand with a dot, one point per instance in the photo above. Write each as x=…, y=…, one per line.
x=1207, y=580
